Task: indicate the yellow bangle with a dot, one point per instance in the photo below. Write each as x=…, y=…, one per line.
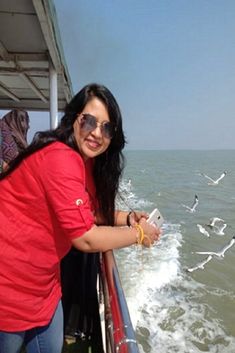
x=140, y=235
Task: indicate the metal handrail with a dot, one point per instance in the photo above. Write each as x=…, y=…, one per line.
x=120, y=333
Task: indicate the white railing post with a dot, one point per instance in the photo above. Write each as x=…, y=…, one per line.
x=53, y=96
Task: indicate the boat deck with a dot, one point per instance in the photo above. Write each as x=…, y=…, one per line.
x=79, y=346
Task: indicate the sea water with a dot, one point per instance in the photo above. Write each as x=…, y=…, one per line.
x=173, y=310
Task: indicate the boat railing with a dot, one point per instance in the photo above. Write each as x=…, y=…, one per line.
x=120, y=335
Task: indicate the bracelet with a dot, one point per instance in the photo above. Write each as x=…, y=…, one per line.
x=140, y=235
x=128, y=222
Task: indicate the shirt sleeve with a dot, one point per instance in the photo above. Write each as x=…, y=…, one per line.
x=63, y=179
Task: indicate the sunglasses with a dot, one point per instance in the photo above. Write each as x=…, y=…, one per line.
x=88, y=123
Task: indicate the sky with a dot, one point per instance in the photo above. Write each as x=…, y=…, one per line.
x=169, y=63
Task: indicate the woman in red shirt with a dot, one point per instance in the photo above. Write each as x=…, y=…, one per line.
x=60, y=192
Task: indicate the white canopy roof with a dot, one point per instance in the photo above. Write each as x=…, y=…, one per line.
x=30, y=50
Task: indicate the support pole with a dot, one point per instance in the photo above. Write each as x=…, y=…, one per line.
x=53, y=97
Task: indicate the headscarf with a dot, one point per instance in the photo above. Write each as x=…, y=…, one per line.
x=8, y=147
x=18, y=123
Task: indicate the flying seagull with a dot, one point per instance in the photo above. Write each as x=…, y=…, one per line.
x=203, y=230
x=219, y=229
x=219, y=253
x=212, y=181
x=200, y=264
x=194, y=205
x=214, y=220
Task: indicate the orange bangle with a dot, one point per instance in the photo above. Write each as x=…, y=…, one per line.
x=140, y=235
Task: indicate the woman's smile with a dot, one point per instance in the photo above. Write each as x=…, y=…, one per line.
x=93, y=144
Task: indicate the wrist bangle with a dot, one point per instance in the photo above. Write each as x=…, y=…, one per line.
x=128, y=222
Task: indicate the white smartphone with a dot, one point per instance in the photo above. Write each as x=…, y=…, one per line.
x=155, y=218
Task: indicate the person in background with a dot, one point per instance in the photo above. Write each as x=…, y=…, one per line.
x=60, y=192
x=8, y=147
x=17, y=121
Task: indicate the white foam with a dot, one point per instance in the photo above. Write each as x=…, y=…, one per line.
x=129, y=199
x=180, y=325
x=149, y=270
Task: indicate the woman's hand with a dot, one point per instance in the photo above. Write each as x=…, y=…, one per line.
x=5, y=166
x=135, y=217
x=151, y=232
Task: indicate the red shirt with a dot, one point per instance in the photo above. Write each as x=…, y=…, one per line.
x=44, y=204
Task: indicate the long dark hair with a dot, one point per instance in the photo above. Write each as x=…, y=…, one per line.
x=108, y=166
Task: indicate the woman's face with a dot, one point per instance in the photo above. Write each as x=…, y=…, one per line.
x=24, y=123
x=92, y=143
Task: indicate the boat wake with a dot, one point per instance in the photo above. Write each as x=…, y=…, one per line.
x=166, y=305
x=169, y=309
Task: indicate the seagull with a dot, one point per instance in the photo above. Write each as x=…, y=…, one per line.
x=219, y=230
x=212, y=181
x=200, y=264
x=214, y=220
x=203, y=230
x=194, y=205
x=219, y=253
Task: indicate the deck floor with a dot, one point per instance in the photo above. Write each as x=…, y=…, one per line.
x=77, y=347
